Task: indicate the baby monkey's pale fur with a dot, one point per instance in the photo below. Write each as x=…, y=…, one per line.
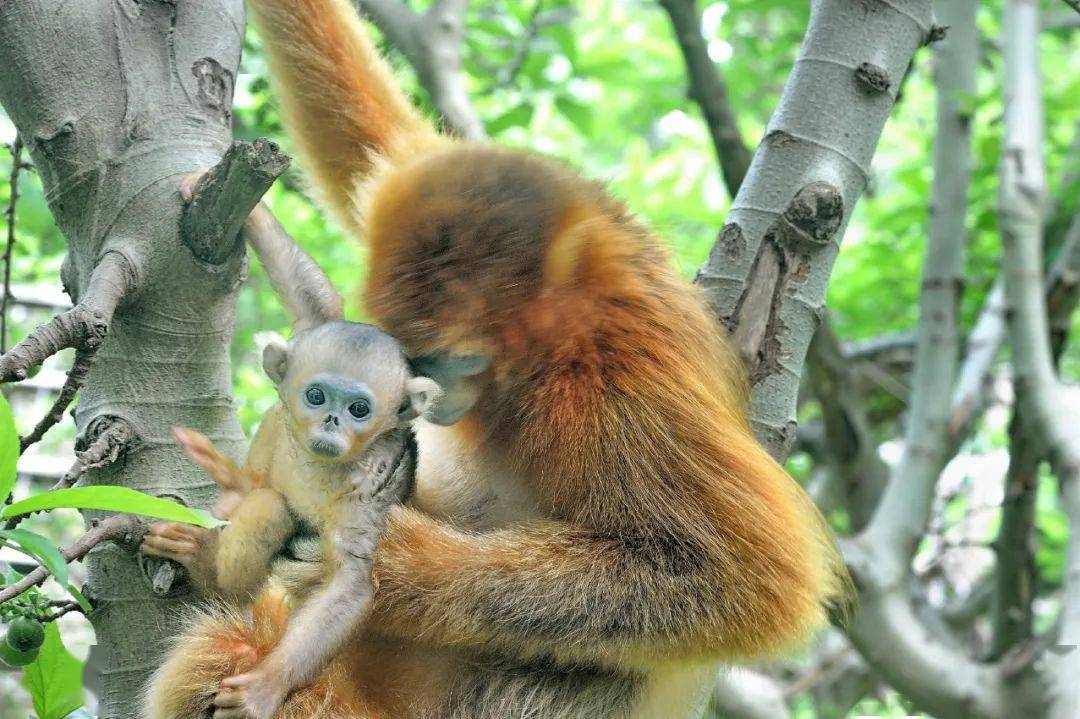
x=289, y=488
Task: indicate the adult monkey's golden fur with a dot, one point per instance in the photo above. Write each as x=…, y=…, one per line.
x=602, y=529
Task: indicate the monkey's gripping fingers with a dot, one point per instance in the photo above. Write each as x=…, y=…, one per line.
x=261, y=213
x=178, y=542
x=187, y=185
x=255, y=695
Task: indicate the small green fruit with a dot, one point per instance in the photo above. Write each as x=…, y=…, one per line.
x=14, y=658
x=25, y=634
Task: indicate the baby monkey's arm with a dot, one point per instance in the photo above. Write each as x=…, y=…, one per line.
x=317, y=631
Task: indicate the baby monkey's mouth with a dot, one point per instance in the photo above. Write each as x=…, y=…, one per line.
x=324, y=448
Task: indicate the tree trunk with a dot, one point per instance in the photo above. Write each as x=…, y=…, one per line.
x=116, y=101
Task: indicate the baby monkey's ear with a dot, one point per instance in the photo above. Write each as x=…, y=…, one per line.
x=422, y=394
x=276, y=358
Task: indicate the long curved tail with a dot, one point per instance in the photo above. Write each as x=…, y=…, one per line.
x=339, y=99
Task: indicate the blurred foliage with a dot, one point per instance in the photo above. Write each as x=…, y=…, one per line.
x=601, y=84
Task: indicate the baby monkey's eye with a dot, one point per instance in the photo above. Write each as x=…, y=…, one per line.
x=360, y=409
x=315, y=396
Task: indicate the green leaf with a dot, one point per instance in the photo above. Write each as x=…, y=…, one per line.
x=80, y=599
x=80, y=713
x=41, y=548
x=579, y=114
x=519, y=115
x=566, y=39
x=9, y=448
x=54, y=679
x=112, y=499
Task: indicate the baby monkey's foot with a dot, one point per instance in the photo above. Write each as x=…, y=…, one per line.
x=255, y=695
x=171, y=540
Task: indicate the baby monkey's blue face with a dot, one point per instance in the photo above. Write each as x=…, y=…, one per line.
x=338, y=414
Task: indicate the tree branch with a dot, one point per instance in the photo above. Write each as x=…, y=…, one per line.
x=938, y=676
x=900, y=518
x=108, y=529
x=13, y=200
x=744, y=694
x=769, y=271
x=76, y=376
x=859, y=471
x=225, y=195
x=1014, y=546
x=709, y=90
x=84, y=326
x=432, y=44
x=1022, y=196
x=1074, y=4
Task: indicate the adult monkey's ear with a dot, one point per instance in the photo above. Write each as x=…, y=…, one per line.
x=423, y=395
x=275, y=358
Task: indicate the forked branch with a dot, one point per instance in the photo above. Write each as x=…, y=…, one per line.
x=83, y=327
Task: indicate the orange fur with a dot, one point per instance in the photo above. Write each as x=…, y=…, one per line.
x=603, y=527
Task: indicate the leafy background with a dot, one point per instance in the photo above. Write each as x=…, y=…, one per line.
x=601, y=84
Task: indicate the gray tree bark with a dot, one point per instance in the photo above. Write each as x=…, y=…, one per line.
x=116, y=101
x=1022, y=211
x=432, y=44
x=767, y=274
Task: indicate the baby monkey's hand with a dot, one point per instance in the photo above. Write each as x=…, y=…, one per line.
x=257, y=694
x=182, y=543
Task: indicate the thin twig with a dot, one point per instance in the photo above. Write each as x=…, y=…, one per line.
x=107, y=529
x=532, y=29
x=1074, y=4
x=83, y=326
x=60, y=607
x=84, y=360
x=13, y=199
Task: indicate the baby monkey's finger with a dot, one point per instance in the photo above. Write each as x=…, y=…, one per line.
x=228, y=698
x=179, y=552
x=234, y=713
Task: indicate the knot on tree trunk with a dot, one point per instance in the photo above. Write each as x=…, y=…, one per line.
x=811, y=219
x=873, y=79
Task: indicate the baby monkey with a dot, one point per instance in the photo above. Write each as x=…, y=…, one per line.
x=330, y=459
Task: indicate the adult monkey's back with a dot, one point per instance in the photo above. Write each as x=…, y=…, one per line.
x=601, y=529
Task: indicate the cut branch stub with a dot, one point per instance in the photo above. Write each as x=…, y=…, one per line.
x=224, y=197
